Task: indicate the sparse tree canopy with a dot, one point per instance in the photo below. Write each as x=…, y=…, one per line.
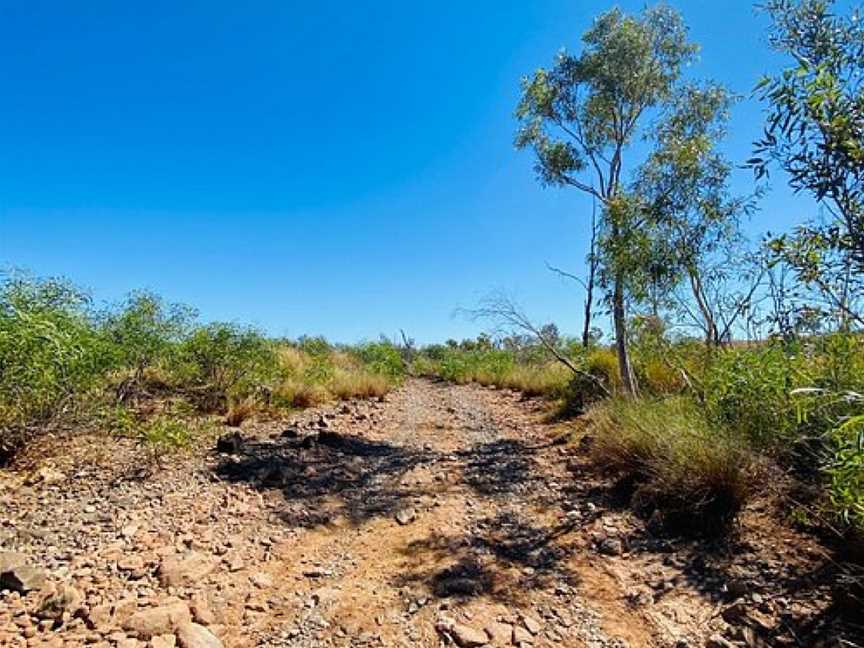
x=815, y=133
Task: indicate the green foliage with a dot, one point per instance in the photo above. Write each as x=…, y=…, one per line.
x=748, y=390
x=51, y=355
x=382, y=358
x=483, y=366
x=815, y=134
x=846, y=469
x=117, y=419
x=166, y=434
x=223, y=360
x=145, y=331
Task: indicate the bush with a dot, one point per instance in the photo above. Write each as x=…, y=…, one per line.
x=846, y=471
x=51, y=356
x=292, y=393
x=226, y=361
x=166, y=434
x=383, y=359
x=748, y=389
x=696, y=474
x=358, y=384
x=144, y=332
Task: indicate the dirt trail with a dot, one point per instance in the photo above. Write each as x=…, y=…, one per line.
x=444, y=513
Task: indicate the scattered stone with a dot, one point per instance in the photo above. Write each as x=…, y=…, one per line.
x=521, y=636
x=261, y=580
x=318, y=573
x=531, y=624
x=405, y=516
x=610, y=546
x=499, y=633
x=718, y=641
x=133, y=565
x=201, y=612
x=163, y=641
x=46, y=476
x=464, y=636
x=230, y=443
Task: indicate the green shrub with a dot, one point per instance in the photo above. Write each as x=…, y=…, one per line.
x=221, y=361
x=382, y=358
x=145, y=332
x=846, y=471
x=165, y=434
x=748, y=389
x=51, y=356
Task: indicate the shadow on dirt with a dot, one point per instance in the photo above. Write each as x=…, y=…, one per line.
x=500, y=557
x=326, y=475
x=500, y=468
x=767, y=595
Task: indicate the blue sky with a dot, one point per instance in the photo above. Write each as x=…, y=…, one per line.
x=342, y=168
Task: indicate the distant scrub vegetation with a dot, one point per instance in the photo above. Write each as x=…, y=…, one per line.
x=63, y=361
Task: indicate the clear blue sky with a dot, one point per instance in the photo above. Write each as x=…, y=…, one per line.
x=343, y=168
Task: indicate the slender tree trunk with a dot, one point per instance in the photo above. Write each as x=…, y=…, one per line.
x=712, y=335
x=589, y=285
x=586, y=329
x=619, y=317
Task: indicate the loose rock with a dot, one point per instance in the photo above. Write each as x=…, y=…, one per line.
x=192, y=635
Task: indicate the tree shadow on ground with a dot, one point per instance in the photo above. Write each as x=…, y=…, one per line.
x=501, y=557
x=501, y=468
x=326, y=475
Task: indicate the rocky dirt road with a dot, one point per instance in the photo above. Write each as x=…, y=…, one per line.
x=445, y=514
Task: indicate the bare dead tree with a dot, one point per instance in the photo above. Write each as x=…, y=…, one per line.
x=508, y=317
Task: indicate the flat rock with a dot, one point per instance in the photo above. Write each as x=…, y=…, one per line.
x=531, y=624
x=17, y=575
x=65, y=600
x=192, y=635
x=163, y=641
x=158, y=620
x=187, y=569
x=521, y=636
x=499, y=633
x=464, y=636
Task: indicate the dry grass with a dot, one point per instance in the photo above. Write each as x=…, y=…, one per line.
x=548, y=380
x=697, y=476
x=660, y=377
x=299, y=394
x=357, y=384
x=310, y=381
x=239, y=412
x=602, y=363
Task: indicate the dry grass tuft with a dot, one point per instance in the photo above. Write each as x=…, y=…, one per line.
x=357, y=384
x=239, y=412
x=548, y=380
x=697, y=476
x=295, y=393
